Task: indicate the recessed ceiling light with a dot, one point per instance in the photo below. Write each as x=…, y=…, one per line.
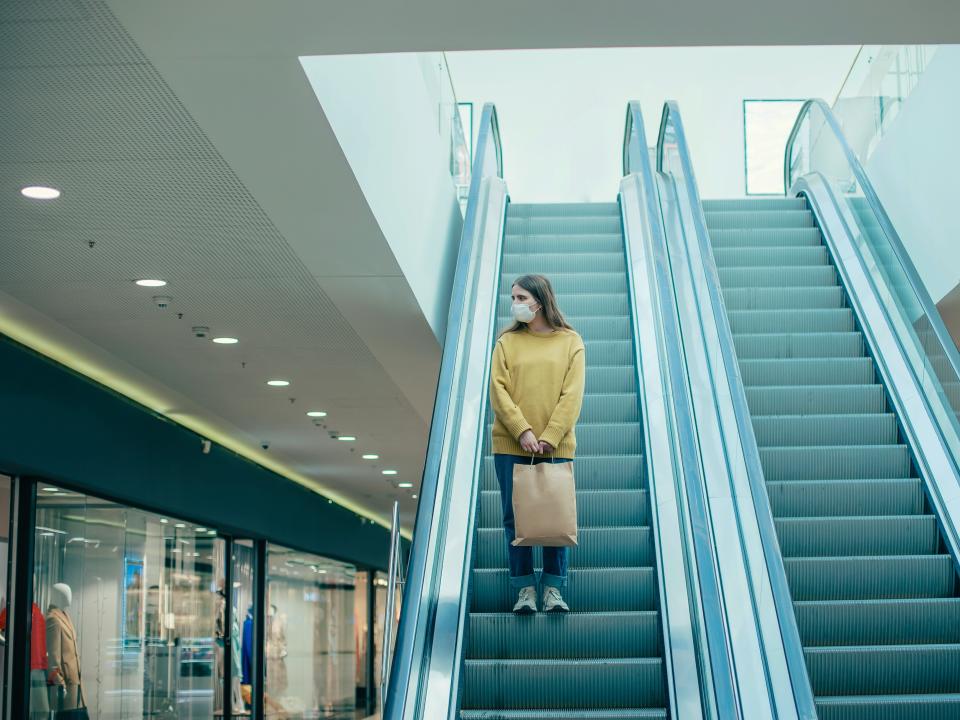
x=278, y=383
x=389, y=472
x=201, y=529
x=316, y=413
x=414, y=496
x=180, y=525
x=211, y=532
x=405, y=485
x=46, y=534
x=225, y=340
x=51, y=489
x=371, y=456
x=346, y=438
x=151, y=283
x=40, y=192
x=164, y=521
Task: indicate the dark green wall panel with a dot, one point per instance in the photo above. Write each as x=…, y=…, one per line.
x=62, y=426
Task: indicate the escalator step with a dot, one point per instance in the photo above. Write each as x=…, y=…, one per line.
x=857, y=536
x=813, y=498
x=796, y=321
x=766, y=237
x=574, y=283
x=567, y=242
x=562, y=210
x=606, y=353
x=611, y=408
x=783, y=298
x=807, y=371
x=598, y=547
x=595, y=508
x=884, y=669
x=609, y=438
x=588, y=590
x=811, y=275
x=577, y=224
x=592, y=473
x=910, y=576
x=835, y=462
x=568, y=262
x=770, y=256
x=577, y=635
x=611, y=327
x=622, y=379
x=753, y=204
x=574, y=684
x=736, y=219
x=759, y=346
x=879, y=622
x=889, y=707
x=798, y=430
x=558, y=714
x=816, y=399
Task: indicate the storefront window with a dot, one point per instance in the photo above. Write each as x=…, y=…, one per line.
x=310, y=654
x=244, y=660
x=361, y=627
x=126, y=608
x=5, y=510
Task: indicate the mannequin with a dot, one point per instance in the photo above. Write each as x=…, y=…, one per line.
x=62, y=654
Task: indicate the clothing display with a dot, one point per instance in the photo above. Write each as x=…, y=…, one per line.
x=62, y=652
x=276, y=652
x=247, y=649
x=536, y=383
x=38, y=637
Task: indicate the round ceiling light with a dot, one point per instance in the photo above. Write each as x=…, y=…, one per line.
x=225, y=340
x=316, y=413
x=278, y=383
x=151, y=283
x=40, y=192
x=371, y=456
x=414, y=496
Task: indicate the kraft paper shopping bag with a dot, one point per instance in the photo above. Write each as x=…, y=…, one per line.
x=544, y=504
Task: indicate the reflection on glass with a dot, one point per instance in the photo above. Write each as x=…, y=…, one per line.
x=5, y=486
x=242, y=655
x=817, y=147
x=361, y=630
x=124, y=611
x=310, y=653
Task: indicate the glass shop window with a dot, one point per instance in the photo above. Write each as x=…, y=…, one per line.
x=5, y=487
x=127, y=612
x=310, y=649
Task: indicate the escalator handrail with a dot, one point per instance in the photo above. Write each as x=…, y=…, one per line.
x=431, y=489
x=779, y=588
x=876, y=207
x=636, y=159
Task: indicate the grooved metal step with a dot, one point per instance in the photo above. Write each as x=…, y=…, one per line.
x=828, y=320
x=592, y=473
x=857, y=536
x=813, y=498
x=578, y=684
x=864, y=578
x=568, y=262
x=576, y=635
x=783, y=298
x=736, y=219
x=816, y=399
x=588, y=589
x=885, y=669
x=770, y=346
x=765, y=237
x=597, y=547
x=835, y=462
x=797, y=430
x=879, y=622
x=807, y=371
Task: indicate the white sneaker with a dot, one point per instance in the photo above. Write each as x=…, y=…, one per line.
x=553, y=601
x=526, y=601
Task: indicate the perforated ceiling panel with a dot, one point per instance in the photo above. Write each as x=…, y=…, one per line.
x=146, y=194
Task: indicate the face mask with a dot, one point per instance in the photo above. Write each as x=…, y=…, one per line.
x=522, y=313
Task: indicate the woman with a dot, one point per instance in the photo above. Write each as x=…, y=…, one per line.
x=536, y=389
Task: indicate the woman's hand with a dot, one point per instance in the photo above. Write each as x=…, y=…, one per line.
x=529, y=442
x=546, y=448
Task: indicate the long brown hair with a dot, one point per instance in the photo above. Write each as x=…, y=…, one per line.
x=542, y=291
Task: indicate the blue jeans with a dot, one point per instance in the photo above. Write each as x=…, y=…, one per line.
x=555, y=559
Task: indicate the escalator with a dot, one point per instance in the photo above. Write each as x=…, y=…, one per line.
x=875, y=592
x=604, y=659
x=832, y=358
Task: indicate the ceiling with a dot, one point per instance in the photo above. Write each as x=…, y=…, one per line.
x=255, y=220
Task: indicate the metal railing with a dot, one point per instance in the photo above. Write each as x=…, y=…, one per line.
x=672, y=141
x=395, y=581
x=441, y=534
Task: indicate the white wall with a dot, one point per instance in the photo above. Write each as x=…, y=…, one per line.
x=914, y=170
x=562, y=111
x=384, y=110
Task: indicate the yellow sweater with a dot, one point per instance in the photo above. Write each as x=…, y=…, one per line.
x=536, y=383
